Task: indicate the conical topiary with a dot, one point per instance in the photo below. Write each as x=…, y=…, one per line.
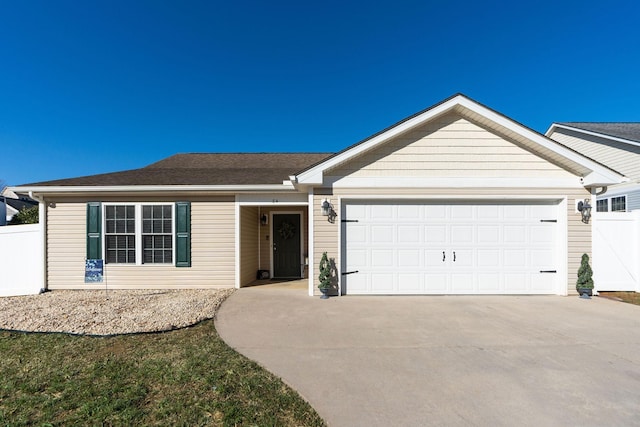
x=325, y=272
x=585, y=280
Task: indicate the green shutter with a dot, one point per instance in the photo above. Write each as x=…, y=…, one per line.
x=183, y=234
x=94, y=231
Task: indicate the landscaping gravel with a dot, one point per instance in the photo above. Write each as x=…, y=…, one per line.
x=110, y=312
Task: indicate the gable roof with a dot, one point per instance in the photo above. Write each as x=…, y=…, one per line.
x=592, y=172
x=202, y=169
x=628, y=132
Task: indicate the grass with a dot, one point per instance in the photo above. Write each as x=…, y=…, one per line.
x=630, y=297
x=184, y=377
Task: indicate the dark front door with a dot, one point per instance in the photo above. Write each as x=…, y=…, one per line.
x=286, y=246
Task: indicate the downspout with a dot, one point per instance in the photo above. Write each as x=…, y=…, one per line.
x=42, y=220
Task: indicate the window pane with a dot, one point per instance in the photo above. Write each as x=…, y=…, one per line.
x=602, y=205
x=157, y=235
x=618, y=204
x=119, y=234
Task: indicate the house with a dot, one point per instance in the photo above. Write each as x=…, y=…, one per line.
x=14, y=203
x=456, y=199
x=614, y=144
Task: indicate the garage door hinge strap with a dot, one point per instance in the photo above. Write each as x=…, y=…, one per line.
x=349, y=220
x=548, y=220
x=548, y=271
x=349, y=272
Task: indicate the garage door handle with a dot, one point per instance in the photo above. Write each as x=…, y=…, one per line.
x=443, y=256
x=454, y=256
x=548, y=271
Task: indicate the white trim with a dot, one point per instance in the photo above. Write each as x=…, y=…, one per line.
x=237, y=243
x=272, y=199
x=562, y=247
x=315, y=175
x=453, y=182
x=310, y=241
x=555, y=126
x=152, y=188
x=300, y=213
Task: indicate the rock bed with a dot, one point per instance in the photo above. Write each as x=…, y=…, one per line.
x=100, y=312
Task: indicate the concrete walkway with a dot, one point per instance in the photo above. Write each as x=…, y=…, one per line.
x=450, y=360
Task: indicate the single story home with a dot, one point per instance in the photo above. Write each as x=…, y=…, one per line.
x=614, y=144
x=456, y=199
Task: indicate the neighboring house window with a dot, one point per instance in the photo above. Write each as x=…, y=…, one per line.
x=157, y=234
x=619, y=204
x=120, y=234
x=602, y=205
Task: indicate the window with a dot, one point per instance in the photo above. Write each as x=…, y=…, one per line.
x=119, y=233
x=138, y=234
x=619, y=204
x=157, y=234
x=602, y=205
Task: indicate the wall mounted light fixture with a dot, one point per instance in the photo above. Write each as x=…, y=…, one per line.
x=585, y=210
x=264, y=219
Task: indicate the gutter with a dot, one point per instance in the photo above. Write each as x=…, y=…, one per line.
x=151, y=188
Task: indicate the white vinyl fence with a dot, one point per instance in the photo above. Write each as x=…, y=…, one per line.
x=616, y=251
x=21, y=260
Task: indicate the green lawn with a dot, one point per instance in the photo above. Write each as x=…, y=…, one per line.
x=184, y=377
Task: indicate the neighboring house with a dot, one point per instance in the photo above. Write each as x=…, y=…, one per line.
x=456, y=199
x=616, y=145
x=15, y=202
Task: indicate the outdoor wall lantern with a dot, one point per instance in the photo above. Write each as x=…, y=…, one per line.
x=327, y=210
x=585, y=209
x=264, y=219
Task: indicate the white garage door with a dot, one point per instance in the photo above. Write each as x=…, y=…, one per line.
x=454, y=248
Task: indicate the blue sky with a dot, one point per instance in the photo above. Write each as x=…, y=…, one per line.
x=102, y=86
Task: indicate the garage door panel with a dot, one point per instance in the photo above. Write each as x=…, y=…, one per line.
x=489, y=283
x=409, y=258
x=461, y=234
x=489, y=258
x=382, y=234
x=462, y=283
x=409, y=283
x=408, y=234
x=489, y=234
x=408, y=247
x=436, y=283
x=382, y=283
x=381, y=258
x=462, y=258
x=435, y=234
x=515, y=234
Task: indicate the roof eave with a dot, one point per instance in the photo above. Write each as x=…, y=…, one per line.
x=555, y=126
x=62, y=189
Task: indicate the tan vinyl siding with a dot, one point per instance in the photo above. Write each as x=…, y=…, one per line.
x=325, y=237
x=249, y=223
x=450, y=146
x=578, y=234
x=212, y=249
x=617, y=155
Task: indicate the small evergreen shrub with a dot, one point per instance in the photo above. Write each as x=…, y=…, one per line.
x=585, y=280
x=325, y=272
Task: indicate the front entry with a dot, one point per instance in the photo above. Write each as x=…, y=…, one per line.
x=286, y=246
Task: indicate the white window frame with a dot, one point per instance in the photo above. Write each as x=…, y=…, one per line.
x=138, y=232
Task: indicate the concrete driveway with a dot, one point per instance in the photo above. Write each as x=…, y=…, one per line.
x=446, y=360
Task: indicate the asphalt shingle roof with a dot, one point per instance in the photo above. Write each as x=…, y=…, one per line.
x=204, y=169
x=625, y=130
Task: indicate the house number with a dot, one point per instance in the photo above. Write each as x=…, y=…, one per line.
x=274, y=201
